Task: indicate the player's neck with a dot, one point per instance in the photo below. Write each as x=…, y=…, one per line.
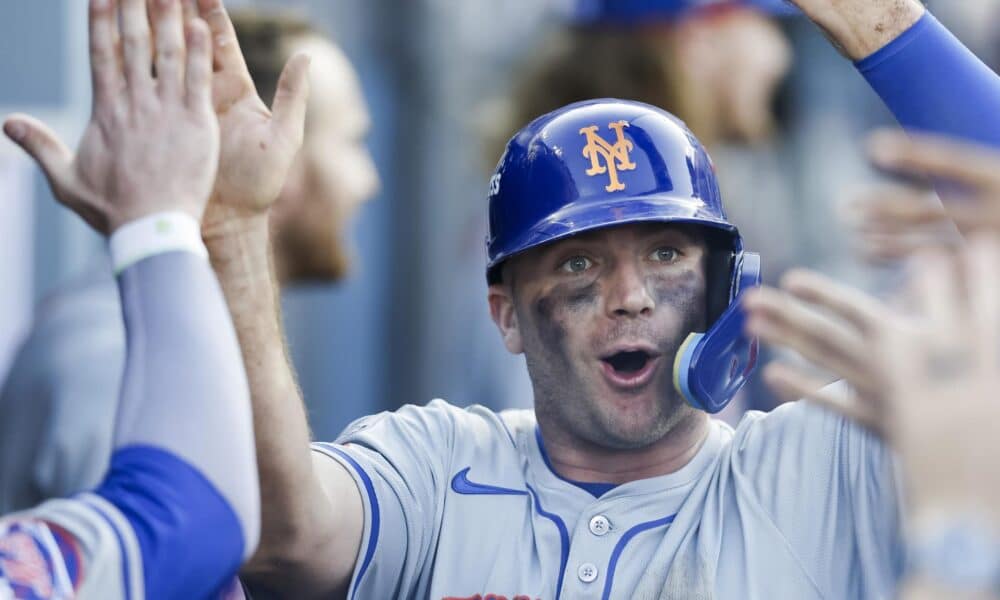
x=579, y=460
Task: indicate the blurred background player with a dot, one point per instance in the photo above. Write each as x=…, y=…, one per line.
x=179, y=507
x=55, y=407
x=716, y=65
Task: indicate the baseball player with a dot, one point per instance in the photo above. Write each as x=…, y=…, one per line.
x=178, y=510
x=614, y=270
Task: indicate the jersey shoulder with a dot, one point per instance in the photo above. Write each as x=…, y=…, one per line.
x=439, y=424
x=792, y=428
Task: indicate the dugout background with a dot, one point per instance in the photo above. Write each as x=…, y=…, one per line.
x=412, y=323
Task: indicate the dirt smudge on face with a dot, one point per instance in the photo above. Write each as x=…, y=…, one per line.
x=683, y=292
x=554, y=306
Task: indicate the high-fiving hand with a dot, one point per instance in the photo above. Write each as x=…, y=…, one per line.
x=258, y=145
x=152, y=143
x=926, y=378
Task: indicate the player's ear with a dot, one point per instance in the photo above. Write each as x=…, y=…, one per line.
x=501, y=301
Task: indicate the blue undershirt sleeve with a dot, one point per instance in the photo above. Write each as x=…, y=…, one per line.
x=933, y=84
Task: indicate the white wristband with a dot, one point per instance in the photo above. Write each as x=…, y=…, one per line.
x=154, y=234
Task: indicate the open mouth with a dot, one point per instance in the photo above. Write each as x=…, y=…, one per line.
x=629, y=368
x=628, y=362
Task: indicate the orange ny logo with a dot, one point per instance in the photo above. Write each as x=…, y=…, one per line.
x=615, y=156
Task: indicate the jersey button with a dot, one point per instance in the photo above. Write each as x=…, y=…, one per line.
x=600, y=525
x=587, y=572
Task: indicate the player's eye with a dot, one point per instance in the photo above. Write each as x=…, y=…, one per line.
x=576, y=264
x=665, y=254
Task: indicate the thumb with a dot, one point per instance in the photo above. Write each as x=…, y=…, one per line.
x=35, y=138
x=291, y=98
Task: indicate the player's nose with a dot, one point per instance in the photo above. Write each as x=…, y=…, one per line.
x=628, y=294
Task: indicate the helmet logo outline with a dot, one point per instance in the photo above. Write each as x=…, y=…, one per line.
x=616, y=156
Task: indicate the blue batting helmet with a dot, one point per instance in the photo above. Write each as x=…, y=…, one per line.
x=602, y=163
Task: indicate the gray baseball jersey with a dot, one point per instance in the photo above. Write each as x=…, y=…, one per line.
x=463, y=504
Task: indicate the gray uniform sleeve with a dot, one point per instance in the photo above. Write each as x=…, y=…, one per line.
x=400, y=463
x=184, y=384
x=832, y=489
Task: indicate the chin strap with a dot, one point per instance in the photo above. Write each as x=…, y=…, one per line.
x=711, y=367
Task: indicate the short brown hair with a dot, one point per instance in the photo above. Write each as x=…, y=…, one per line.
x=265, y=40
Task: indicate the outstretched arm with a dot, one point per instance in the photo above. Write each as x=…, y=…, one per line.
x=312, y=518
x=929, y=80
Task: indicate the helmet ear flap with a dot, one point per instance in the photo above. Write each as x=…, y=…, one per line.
x=719, y=262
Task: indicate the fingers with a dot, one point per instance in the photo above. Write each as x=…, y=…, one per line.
x=226, y=48
x=975, y=214
x=937, y=158
x=934, y=291
x=292, y=97
x=980, y=264
x=42, y=145
x=199, y=64
x=781, y=320
x=136, y=52
x=852, y=305
x=895, y=207
x=189, y=8
x=903, y=207
x=168, y=29
x=877, y=247
x=104, y=62
x=790, y=382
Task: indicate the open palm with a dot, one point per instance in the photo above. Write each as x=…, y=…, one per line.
x=258, y=144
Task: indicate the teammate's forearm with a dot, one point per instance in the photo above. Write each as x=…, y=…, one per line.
x=183, y=359
x=172, y=476
x=861, y=27
x=290, y=492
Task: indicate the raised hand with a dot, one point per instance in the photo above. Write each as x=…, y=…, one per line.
x=967, y=176
x=831, y=325
x=891, y=221
x=152, y=143
x=894, y=220
x=925, y=379
x=258, y=145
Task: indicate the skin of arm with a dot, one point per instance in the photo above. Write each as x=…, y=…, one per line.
x=312, y=516
x=859, y=28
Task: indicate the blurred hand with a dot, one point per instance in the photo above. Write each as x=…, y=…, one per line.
x=925, y=381
x=895, y=220
x=967, y=177
x=892, y=221
x=152, y=144
x=258, y=145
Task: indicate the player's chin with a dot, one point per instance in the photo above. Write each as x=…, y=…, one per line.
x=638, y=418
